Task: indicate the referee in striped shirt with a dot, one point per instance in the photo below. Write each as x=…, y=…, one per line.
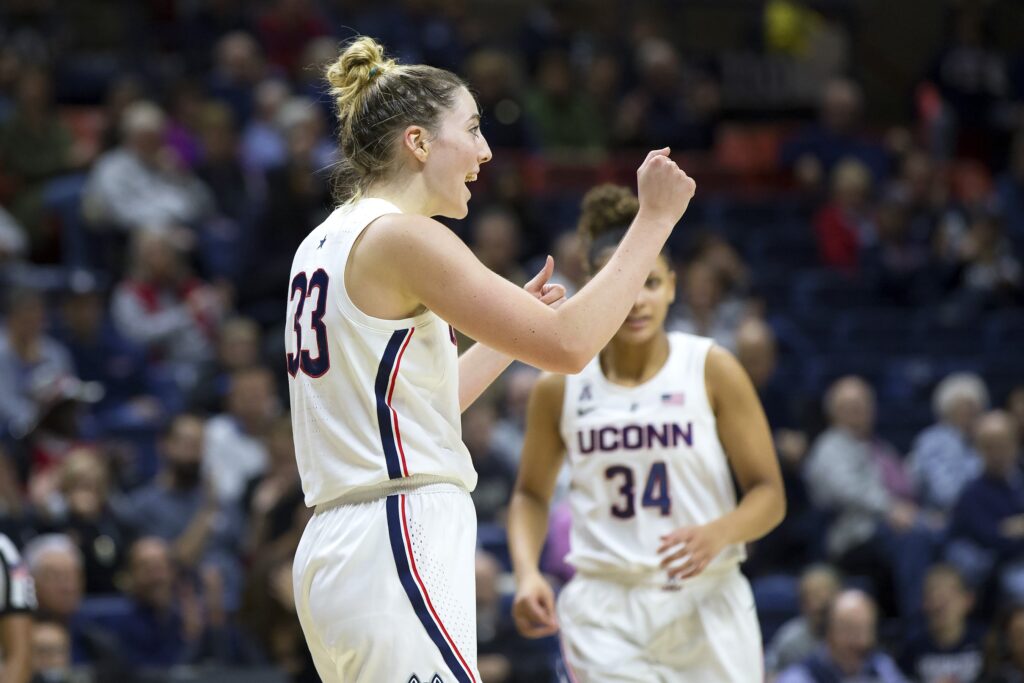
x=17, y=602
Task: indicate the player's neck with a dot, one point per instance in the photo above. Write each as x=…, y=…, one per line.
x=407, y=192
x=632, y=364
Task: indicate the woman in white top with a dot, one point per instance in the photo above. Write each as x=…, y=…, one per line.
x=383, y=576
x=654, y=429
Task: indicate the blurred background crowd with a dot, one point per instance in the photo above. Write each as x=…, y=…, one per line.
x=856, y=240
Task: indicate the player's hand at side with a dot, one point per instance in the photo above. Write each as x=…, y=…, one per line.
x=688, y=550
x=534, y=608
x=664, y=189
x=551, y=294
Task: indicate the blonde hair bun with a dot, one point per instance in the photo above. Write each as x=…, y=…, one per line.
x=355, y=71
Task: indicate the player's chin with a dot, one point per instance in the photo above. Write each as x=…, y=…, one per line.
x=458, y=210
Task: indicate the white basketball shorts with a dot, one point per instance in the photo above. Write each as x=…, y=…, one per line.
x=385, y=590
x=705, y=630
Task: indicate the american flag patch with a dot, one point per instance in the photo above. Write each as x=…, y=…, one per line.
x=676, y=399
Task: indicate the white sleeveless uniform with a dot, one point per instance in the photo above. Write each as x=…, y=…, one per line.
x=645, y=461
x=384, y=574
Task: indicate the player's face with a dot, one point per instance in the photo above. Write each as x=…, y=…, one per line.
x=647, y=317
x=455, y=155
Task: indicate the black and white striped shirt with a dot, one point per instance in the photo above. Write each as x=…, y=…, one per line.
x=17, y=591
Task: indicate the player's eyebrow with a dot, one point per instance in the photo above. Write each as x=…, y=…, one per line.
x=473, y=118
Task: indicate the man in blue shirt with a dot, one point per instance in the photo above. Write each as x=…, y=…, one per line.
x=850, y=653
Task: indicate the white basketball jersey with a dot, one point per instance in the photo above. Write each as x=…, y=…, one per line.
x=644, y=461
x=372, y=400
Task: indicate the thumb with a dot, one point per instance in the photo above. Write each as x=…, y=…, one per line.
x=543, y=276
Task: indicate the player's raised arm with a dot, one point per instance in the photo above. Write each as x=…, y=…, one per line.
x=436, y=269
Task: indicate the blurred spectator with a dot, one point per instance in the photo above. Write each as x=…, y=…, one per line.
x=238, y=347
x=25, y=353
x=184, y=120
x=17, y=602
x=509, y=430
x=161, y=622
x=800, y=637
x=568, y=255
x=495, y=78
x=971, y=78
x=234, y=451
x=845, y=225
x=494, y=485
x=56, y=566
x=237, y=190
x=659, y=111
x=704, y=310
x=793, y=543
x=949, y=648
x=182, y=509
x=495, y=236
x=133, y=396
x=142, y=184
x=286, y=27
x=815, y=152
x=51, y=653
x=854, y=474
x=1010, y=192
x=164, y=307
x=943, y=460
x=987, y=525
x=983, y=264
x=238, y=67
x=13, y=241
x=83, y=513
x=716, y=251
x=273, y=501
x=897, y=267
x=35, y=146
x=1004, y=652
x=851, y=653
x=567, y=122
x=1015, y=406
x=263, y=143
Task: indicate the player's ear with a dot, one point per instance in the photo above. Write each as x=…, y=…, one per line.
x=415, y=140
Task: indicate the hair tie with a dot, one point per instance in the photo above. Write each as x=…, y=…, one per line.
x=373, y=71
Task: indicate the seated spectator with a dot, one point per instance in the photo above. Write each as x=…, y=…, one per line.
x=986, y=528
x=949, y=647
x=898, y=266
x=35, y=146
x=1015, y=406
x=234, y=450
x=165, y=308
x=238, y=67
x=140, y=185
x=794, y=543
x=704, y=309
x=181, y=508
x=839, y=133
x=1010, y=191
x=859, y=478
x=516, y=384
x=238, y=348
x=25, y=352
x=496, y=477
x=495, y=238
x=133, y=397
x=800, y=637
x=845, y=226
x=13, y=240
x=1004, y=653
x=263, y=144
x=51, y=653
x=493, y=75
x=495, y=630
x=277, y=513
x=56, y=566
x=850, y=654
x=943, y=460
x=161, y=623
x=566, y=120
x=82, y=511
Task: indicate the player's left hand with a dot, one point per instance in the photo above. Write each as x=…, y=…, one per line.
x=688, y=551
x=551, y=294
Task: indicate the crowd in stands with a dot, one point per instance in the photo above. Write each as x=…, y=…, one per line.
x=161, y=161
